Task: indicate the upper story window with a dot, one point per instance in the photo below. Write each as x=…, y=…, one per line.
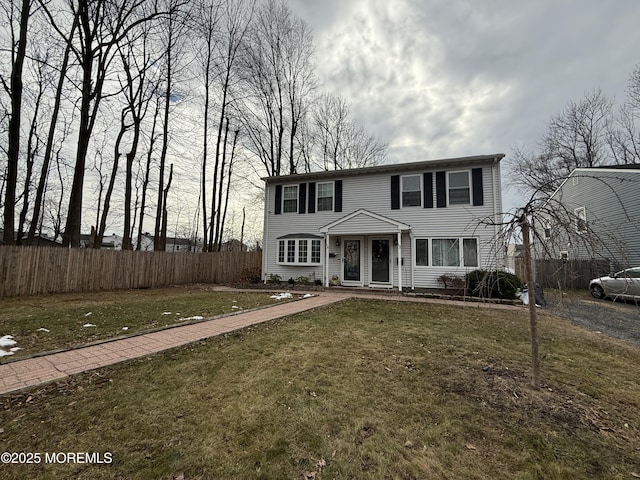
x=325, y=197
x=581, y=219
x=459, y=188
x=290, y=200
x=411, y=191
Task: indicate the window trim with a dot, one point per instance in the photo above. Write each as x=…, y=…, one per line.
x=296, y=251
x=580, y=222
x=469, y=188
x=284, y=198
x=420, y=190
x=430, y=258
x=333, y=196
x=415, y=249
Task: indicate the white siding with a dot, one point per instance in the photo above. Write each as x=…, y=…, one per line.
x=611, y=199
x=372, y=192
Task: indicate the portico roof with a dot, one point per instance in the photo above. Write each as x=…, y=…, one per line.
x=364, y=222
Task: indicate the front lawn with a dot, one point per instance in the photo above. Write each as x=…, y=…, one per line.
x=360, y=389
x=48, y=322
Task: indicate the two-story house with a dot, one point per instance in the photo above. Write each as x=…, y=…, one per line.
x=389, y=226
x=596, y=216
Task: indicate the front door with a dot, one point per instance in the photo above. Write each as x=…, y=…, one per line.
x=381, y=261
x=352, y=265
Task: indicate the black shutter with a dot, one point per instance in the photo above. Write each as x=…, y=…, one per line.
x=428, y=189
x=441, y=189
x=395, y=192
x=338, y=200
x=302, y=198
x=476, y=181
x=312, y=198
x=278, y=206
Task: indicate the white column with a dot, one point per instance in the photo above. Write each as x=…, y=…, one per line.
x=327, y=239
x=400, y=261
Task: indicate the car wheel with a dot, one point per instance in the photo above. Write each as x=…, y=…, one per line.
x=597, y=291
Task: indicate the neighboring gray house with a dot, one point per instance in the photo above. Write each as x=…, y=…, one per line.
x=596, y=216
x=352, y=226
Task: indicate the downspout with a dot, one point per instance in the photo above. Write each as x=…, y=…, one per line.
x=497, y=207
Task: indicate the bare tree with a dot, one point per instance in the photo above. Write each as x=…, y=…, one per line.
x=32, y=149
x=575, y=138
x=51, y=134
x=339, y=141
x=175, y=29
x=277, y=80
x=102, y=25
x=14, y=90
x=237, y=19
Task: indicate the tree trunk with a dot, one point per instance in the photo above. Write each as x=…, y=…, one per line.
x=13, y=149
x=533, y=315
x=44, y=172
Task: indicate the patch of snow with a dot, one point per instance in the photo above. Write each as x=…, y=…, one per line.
x=196, y=317
x=88, y=314
x=307, y=295
x=166, y=313
x=125, y=328
x=87, y=325
x=235, y=307
x=282, y=296
x=45, y=330
x=7, y=341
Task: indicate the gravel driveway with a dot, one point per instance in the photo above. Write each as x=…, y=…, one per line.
x=616, y=319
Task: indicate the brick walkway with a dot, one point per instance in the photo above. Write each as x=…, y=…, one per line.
x=34, y=371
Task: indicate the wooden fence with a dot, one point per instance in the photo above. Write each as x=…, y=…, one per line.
x=570, y=274
x=37, y=270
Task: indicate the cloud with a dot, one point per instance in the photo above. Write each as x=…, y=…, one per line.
x=441, y=78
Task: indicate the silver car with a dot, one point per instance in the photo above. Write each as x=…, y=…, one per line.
x=623, y=285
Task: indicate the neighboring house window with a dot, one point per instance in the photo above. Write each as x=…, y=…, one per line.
x=422, y=252
x=325, y=197
x=411, y=191
x=581, y=219
x=290, y=201
x=459, y=190
x=297, y=251
x=446, y=252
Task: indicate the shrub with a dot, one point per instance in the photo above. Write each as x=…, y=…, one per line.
x=492, y=284
x=248, y=275
x=274, y=278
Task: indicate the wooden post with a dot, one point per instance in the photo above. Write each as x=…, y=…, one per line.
x=533, y=316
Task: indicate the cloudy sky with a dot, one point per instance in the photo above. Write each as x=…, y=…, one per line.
x=448, y=78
